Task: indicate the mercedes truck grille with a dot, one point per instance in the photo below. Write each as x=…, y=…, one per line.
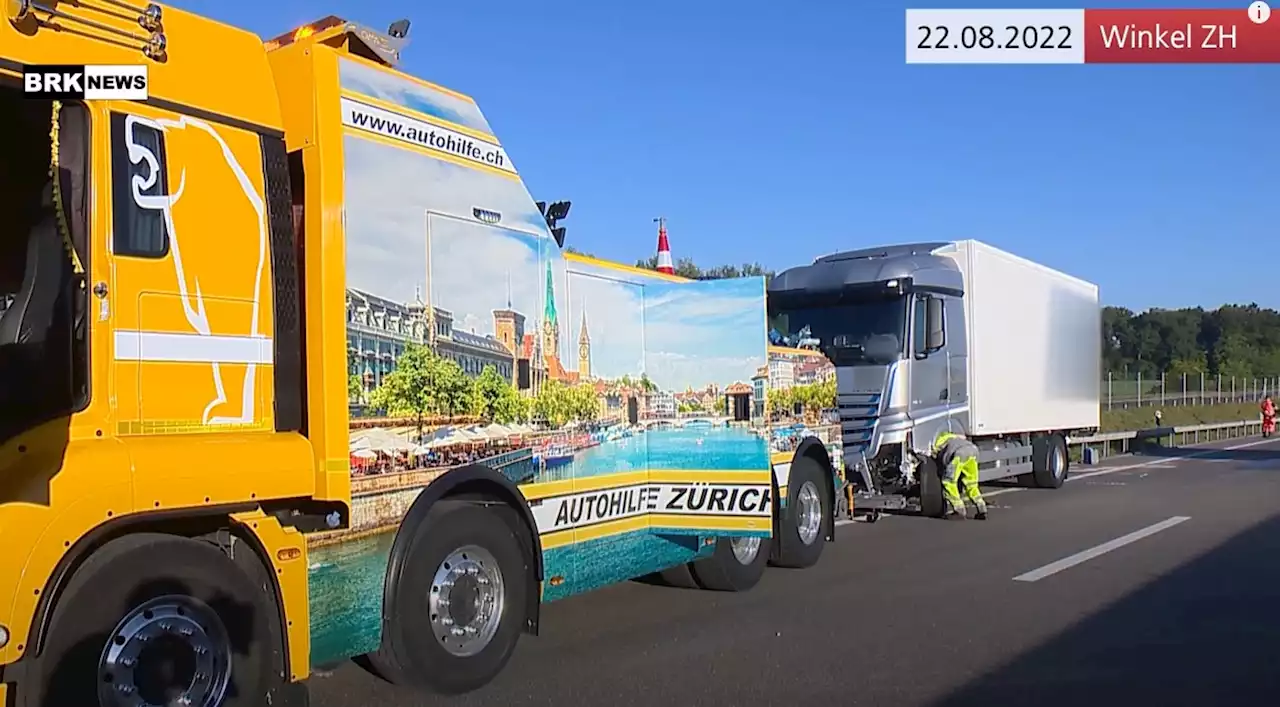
x=857, y=419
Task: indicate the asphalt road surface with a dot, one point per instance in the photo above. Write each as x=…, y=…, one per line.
x=1151, y=580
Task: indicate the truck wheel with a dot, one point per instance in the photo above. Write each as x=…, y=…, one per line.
x=680, y=577
x=803, y=522
x=1049, y=461
x=933, y=503
x=736, y=565
x=452, y=621
x=153, y=619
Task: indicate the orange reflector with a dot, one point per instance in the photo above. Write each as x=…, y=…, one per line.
x=288, y=553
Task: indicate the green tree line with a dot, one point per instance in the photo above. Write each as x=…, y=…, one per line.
x=1232, y=340
x=424, y=384
x=685, y=267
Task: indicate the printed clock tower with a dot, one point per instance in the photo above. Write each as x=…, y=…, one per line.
x=584, y=350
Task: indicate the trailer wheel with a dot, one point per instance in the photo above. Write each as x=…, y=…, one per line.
x=803, y=522
x=680, y=577
x=453, y=620
x=153, y=619
x=933, y=503
x=1049, y=461
x=737, y=564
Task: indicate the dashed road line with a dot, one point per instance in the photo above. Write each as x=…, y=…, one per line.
x=1070, y=561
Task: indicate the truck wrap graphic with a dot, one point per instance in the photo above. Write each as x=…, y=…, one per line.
x=617, y=400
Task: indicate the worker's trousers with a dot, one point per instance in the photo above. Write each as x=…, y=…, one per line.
x=962, y=472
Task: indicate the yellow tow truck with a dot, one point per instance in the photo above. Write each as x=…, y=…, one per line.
x=180, y=516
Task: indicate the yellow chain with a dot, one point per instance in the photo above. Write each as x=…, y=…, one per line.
x=63, y=228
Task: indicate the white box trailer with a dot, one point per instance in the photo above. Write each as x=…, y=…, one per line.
x=1034, y=342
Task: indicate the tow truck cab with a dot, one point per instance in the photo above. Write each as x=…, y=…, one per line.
x=154, y=353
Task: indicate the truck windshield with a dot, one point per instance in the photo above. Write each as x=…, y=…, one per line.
x=866, y=331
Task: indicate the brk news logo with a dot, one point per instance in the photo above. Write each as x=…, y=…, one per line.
x=124, y=82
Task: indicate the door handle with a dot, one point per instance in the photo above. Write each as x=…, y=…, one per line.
x=944, y=394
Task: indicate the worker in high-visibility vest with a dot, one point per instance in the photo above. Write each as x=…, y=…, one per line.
x=958, y=461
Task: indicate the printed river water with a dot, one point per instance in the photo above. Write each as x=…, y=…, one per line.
x=347, y=577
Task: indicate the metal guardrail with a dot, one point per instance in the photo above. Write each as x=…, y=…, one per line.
x=1110, y=444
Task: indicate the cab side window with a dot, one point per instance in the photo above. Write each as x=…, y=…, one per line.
x=140, y=188
x=919, y=327
x=929, y=313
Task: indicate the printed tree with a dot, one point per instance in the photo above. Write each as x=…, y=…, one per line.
x=422, y=384
x=559, y=404
x=496, y=400
x=355, y=389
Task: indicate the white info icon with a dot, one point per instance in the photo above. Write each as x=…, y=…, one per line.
x=1259, y=12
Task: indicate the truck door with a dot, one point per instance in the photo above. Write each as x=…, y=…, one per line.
x=957, y=355
x=930, y=385
x=192, y=308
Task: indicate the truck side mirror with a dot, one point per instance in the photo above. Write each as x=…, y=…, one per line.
x=935, y=330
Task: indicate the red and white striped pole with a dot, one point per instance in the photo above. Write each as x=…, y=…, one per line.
x=664, y=248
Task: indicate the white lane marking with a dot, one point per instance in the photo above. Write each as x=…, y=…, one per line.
x=1155, y=462
x=1084, y=556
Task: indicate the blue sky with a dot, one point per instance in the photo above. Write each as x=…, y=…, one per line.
x=682, y=335
x=775, y=135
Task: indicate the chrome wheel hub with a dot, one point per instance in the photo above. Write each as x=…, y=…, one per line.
x=466, y=601
x=808, y=513
x=745, y=549
x=172, y=651
x=1058, y=462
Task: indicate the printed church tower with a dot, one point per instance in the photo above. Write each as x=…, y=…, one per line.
x=550, y=323
x=584, y=350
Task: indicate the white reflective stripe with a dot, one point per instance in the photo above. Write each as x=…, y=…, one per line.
x=192, y=348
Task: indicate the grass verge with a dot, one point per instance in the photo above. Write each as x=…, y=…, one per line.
x=1176, y=415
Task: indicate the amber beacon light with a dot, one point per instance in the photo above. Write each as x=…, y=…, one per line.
x=1239, y=35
